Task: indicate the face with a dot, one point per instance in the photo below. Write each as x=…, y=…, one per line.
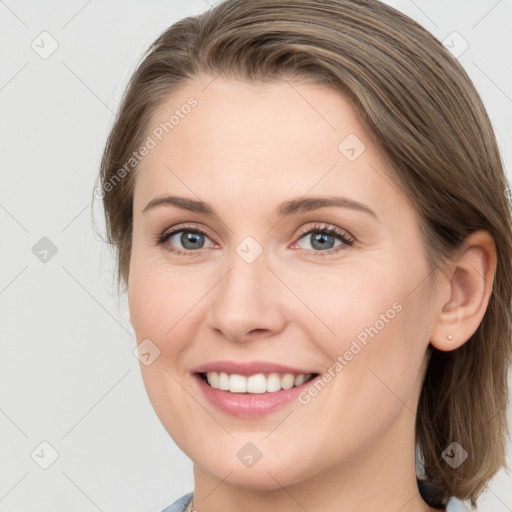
x=265, y=278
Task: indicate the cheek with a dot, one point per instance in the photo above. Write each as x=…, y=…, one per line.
x=379, y=320
x=157, y=302
x=156, y=292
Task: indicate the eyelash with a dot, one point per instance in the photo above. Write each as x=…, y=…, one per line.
x=347, y=240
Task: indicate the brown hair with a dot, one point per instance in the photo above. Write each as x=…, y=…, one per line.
x=429, y=121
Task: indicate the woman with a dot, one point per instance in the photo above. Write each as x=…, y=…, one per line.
x=312, y=225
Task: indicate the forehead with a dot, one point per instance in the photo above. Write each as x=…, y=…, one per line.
x=235, y=139
x=236, y=110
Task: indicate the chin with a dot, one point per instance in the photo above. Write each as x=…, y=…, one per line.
x=261, y=477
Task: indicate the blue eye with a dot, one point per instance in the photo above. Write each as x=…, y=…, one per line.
x=323, y=237
x=187, y=240
x=191, y=239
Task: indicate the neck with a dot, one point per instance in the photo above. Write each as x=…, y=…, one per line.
x=380, y=476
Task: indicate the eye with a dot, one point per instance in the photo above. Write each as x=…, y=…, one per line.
x=183, y=239
x=322, y=238
x=187, y=240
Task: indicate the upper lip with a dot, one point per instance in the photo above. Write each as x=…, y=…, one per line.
x=248, y=368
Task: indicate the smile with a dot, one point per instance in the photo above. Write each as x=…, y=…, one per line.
x=257, y=384
x=250, y=389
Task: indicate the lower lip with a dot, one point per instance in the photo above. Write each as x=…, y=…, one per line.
x=249, y=405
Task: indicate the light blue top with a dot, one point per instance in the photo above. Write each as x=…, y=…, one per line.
x=179, y=505
x=454, y=504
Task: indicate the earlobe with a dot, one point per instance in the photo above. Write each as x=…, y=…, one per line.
x=468, y=286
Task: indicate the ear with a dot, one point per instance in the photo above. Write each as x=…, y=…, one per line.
x=465, y=290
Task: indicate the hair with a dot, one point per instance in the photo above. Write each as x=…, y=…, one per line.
x=425, y=115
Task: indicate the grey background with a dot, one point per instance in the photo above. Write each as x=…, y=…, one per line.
x=68, y=375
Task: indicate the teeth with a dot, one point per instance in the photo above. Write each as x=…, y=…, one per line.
x=237, y=383
x=300, y=379
x=273, y=382
x=223, y=381
x=214, y=380
x=259, y=383
x=256, y=383
x=287, y=381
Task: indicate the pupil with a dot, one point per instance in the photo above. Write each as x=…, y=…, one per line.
x=190, y=240
x=320, y=239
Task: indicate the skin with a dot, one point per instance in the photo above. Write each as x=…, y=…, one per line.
x=245, y=149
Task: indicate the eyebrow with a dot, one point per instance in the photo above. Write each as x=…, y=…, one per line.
x=291, y=207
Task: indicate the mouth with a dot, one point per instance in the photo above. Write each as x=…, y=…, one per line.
x=251, y=389
x=251, y=396
x=258, y=383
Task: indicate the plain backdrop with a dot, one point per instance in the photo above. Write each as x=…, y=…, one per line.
x=69, y=379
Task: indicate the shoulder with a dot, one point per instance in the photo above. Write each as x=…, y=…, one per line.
x=180, y=504
x=455, y=505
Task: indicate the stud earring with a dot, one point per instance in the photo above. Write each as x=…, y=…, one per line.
x=450, y=337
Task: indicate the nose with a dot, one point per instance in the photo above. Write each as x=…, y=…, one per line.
x=245, y=305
